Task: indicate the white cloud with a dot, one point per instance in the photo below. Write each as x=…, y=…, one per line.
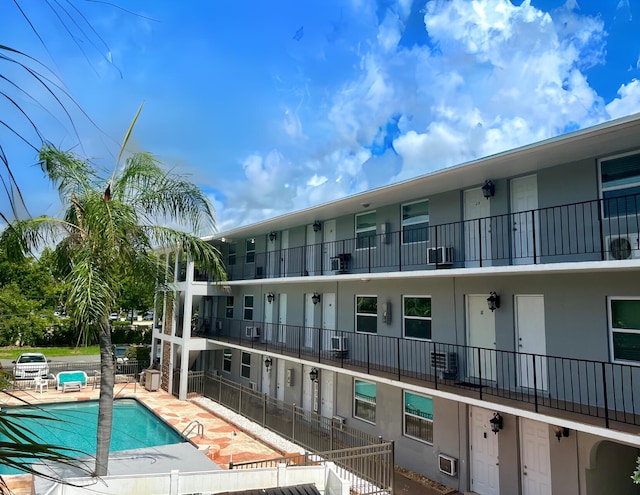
x=628, y=101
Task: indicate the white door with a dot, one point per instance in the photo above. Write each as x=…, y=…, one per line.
x=268, y=319
x=266, y=377
x=328, y=319
x=282, y=318
x=326, y=390
x=307, y=388
x=272, y=257
x=481, y=336
x=310, y=253
x=280, y=380
x=284, y=252
x=309, y=313
x=477, y=228
x=524, y=200
x=484, y=453
x=329, y=244
x=530, y=334
x=534, y=457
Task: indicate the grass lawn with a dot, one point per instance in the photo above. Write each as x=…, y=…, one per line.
x=14, y=352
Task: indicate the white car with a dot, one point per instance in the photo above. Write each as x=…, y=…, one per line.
x=30, y=365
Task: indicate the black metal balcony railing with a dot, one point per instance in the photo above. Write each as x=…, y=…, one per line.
x=572, y=232
x=599, y=390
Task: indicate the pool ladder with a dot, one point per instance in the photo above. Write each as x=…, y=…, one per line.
x=192, y=426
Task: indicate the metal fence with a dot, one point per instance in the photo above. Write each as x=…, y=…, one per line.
x=543, y=383
x=368, y=459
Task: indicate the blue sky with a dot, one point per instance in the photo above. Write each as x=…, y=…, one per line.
x=276, y=106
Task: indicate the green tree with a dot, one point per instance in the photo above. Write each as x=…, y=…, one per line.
x=110, y=227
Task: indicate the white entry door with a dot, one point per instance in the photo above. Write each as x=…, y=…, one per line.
x=309, y=313
x=329, y=244
x=280, y=380
x=534, y=454
x=485, y=470
x=282, y=318
x=326, y=390
x=524, y=200
x=481, y=336
x=284, y=253
x=272, y=258
x=266, y=377
x=307, y=388
x=268, y=319
x=328, y=319
x=530, y=334
x=477, y=228
x=311, y=267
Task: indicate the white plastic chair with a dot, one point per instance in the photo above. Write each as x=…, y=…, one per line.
x=40, y=384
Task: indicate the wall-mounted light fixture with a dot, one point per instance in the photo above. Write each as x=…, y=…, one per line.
x=313, y=374
x=270, y=297
x=268, y=362
x=493, y=301
x=272, y=236
x=489, y=189
x=561, y=431
x=317, y=226
x=496, y=422
x=315, y=298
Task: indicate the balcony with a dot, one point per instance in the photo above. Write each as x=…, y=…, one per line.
x=595, y=392
x=574, y=232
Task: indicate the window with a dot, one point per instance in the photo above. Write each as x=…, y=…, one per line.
x=624, y=323
x=364, y=400
x=228, y=311
x=226, y=360
x=367, y=314
x=418, y=417
x=232, y=254
x=415, y=222
x=620, y=185
x=248, y=308
x=245, y=371
x=251, y=250
x=366, y=230
x=417, y=317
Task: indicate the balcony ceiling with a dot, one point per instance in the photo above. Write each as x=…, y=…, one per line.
x=611, y=137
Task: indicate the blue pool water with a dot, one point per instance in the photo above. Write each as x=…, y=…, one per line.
x=134, y=426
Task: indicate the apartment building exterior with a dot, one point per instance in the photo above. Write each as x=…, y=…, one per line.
x=485, y=317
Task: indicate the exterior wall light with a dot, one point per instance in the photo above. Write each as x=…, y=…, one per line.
x=489, y=189
x=267, y=363
x=315, y=298
x=313, y=374
x=561, y=431
x=496, y=422
x=317, y=226
x=493, y=301
x=272, y=236
x=270, y=297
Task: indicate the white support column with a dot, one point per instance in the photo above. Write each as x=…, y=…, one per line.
x=186, y=331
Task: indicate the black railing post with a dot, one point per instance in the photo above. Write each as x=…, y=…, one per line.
x=604, y=391
x=535, y=383
x=433, y=363
x=400, y=251
x=399, y=366
x=369, y=253
x=480, y=371
x=480, y=240
x=293, y=421
x=264, y=409
x=300, y=337
x=368, y=356
x=319, y=330
x=533, y=236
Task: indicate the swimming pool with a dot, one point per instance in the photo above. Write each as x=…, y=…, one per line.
x=134, y=426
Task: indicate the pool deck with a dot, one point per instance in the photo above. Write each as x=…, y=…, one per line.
x=217, y=442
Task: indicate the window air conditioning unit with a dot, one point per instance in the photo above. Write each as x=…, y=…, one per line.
x=339, y=344
x=623, y=247
x=440, y=255
x=252, y=332
x=448, y=465
x=445, y=364
x=253, y=386
x=338, y=422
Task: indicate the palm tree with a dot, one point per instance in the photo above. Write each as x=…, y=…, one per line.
x=109, y=230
